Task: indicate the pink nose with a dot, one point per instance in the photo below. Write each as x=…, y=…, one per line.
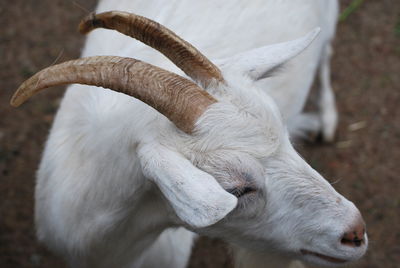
x=354, y=237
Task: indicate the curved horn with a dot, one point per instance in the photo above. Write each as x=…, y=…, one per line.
x=178, y=98
x=153, y=34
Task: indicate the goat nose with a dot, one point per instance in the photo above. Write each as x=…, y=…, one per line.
x=354, y=237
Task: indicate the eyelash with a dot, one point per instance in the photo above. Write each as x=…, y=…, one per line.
x=239, y=192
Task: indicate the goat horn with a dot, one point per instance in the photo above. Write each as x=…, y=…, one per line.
x=178, y=98
x=153, y=34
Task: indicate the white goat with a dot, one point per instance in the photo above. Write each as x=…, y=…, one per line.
x=118, y=178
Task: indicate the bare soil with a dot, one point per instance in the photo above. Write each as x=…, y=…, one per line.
x=364, y=162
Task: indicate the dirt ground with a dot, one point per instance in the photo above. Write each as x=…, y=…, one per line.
x=364, y=162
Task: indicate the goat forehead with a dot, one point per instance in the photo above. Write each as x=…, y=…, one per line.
x=304, y=190
x=245, y=95
x=234, y=168
x=244, y=124
x=225, y=129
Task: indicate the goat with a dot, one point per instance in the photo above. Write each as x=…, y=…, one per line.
x=126, y=179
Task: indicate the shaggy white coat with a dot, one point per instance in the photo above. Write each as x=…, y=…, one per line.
x=118, y=181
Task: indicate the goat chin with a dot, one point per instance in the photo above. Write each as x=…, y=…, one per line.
x=119, y=185
x=245, y=259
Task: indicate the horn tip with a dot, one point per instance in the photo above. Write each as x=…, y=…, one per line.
x=20, y=96
x=89, y=23
x=16, y=101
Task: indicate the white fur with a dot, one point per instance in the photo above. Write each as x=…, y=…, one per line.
x=116, y=176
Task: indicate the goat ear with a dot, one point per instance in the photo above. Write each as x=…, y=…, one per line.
x=259, y=62
x=196, y=196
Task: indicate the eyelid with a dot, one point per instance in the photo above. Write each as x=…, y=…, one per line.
x=238, y=192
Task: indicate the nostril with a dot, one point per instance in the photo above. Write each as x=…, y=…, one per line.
x=354, y=242
x=355, y=237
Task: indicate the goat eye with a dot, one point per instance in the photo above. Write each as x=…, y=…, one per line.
x=238, y=192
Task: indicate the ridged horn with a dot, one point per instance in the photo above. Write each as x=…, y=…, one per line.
x=153, y=34
x=178, y=98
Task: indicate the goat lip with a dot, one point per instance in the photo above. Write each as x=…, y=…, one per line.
x=321, y=256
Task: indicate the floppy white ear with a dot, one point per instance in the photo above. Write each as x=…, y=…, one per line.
x=256, y=63
x=196, y=196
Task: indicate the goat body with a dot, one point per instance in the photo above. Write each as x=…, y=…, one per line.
x=118, y=181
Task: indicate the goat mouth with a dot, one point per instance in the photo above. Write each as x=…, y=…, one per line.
x=321, y=256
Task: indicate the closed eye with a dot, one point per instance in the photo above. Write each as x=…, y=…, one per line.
x=238, y=192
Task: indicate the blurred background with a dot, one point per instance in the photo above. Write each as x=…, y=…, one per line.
x=364, y=161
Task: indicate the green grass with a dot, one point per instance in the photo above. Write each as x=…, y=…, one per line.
x=350, y=9
x=397, y=28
